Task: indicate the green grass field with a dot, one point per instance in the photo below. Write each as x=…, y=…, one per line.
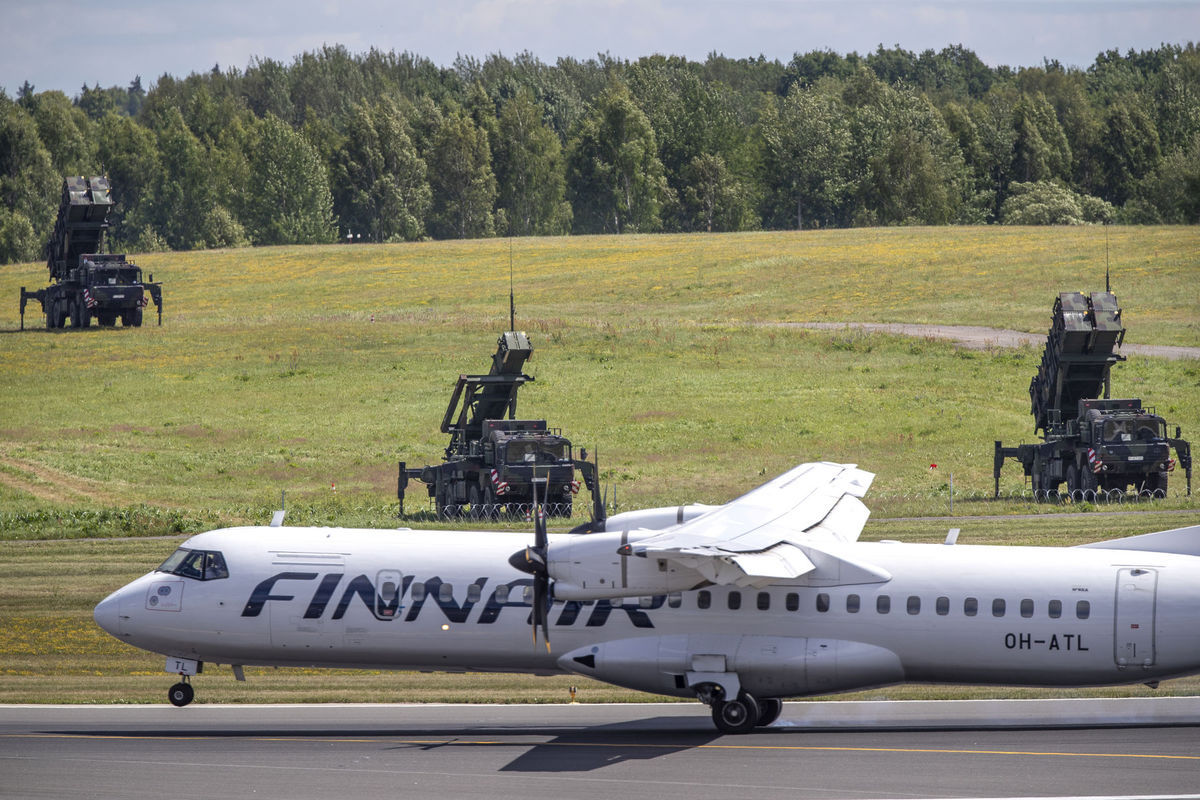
x=313, y=370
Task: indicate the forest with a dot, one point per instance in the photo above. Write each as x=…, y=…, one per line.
x=385, y=146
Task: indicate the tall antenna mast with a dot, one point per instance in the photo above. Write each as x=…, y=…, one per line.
x=512, y=308
x=1106, y=287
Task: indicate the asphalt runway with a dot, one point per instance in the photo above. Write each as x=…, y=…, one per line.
x=586, y=751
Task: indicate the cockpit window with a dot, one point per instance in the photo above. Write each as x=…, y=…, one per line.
x=201, y=565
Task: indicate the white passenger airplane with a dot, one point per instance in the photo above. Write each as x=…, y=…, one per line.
x=766, y=597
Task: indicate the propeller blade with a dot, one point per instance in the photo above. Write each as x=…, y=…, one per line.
x=541, y=610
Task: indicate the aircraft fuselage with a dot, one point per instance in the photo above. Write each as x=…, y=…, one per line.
x=450, y=601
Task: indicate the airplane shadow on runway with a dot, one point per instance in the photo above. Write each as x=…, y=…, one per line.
x=571, y=749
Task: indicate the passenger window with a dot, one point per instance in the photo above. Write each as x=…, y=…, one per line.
x=883, y=604
x=501, y=593
x=971, y=606
x=852, y=604
x=822, y=602
x=764, y=601
x=474, y=592
x=418, y=591
x=446, y=593
x=1083, y=609
x=646, y=601
x=1054, y=608
x=527, y=595
x=998, y=607
x=704, y=599
x=675, y=599
x=792, y=601
x=735, y=601
x=943, y=606
x=1026, y=608
x=914, y=604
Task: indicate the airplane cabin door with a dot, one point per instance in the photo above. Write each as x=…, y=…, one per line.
x=1134, y=639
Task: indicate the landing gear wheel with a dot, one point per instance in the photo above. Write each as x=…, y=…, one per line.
x=769, y=710
x=181, y=694
x=736, y=716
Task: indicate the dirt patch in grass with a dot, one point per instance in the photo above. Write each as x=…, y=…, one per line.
x=47, y=483
x=980, y=338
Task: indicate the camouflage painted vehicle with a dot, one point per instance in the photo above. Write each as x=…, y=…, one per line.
x=1091, y=446
x=87, y=283
x=493, y=464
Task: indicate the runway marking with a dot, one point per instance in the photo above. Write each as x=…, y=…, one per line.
x=622, y=745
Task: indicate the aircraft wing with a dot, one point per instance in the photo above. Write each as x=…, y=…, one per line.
x=776, y=531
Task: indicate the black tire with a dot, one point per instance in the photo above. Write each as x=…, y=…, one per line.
x=769, y=710
x=1073, y=487
x=106, y=319
x=181, y=694
x=135, y=318
x=475, y=498
x=736, y=716
x=52, y=316
x=1156, y=484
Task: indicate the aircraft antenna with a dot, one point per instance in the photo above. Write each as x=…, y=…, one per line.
x=1106, y=286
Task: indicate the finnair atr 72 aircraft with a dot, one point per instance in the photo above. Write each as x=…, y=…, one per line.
x=766, y=597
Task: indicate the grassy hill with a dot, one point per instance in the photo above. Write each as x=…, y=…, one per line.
x=301, y=369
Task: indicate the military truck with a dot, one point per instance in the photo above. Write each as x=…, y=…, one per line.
x=86, y=282
x=493, y=464
x=1096, y=446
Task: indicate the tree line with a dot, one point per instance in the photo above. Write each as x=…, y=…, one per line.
x=387, y=146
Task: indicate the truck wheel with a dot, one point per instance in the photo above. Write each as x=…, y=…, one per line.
x=1073, y=482
x=76, y=317
x=135, y=318
x=475, y=498
x=51, y=315
x=1156, y=484
x=1089, y=483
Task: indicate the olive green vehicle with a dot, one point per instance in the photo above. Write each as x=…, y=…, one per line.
x=1092, y=446
x=497, y=465
x=85, y=282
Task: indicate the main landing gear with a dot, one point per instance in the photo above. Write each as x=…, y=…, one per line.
x=181, y=693
x=744, y=713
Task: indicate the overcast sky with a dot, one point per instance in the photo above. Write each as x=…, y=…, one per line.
x=62, y=44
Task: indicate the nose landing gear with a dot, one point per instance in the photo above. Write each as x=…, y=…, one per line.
x=181, y=693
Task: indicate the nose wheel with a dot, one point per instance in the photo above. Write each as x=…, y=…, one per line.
x=181, y=693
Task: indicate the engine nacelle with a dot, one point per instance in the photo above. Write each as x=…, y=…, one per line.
x=587, y=567
x=765, y=666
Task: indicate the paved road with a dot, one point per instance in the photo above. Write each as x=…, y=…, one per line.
x=626, y=752
x=980, y=338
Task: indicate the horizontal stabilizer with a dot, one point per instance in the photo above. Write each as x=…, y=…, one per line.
x=1181, y=541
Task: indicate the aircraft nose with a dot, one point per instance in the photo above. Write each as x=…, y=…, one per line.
x=108, y=614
